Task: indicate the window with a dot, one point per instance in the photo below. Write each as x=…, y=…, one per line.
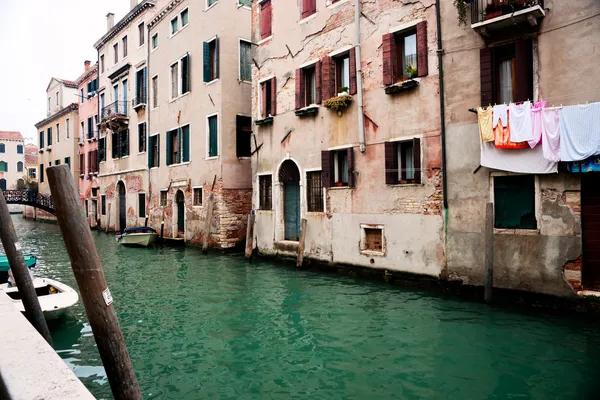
x=197, y=196
x=141, y=34
x=57, y=133
x=85, y=206
x=116, y=52
x=245, y=61
x=243, y=135
x=155, y=91
x=309, y=7
x=82, y=132
x=49, y=138
x=92, y=161
x=163, y=198
x=403, y=162
x=31, y=172
x=154, y=151
x=266, y=28
x=174, y=25
x=307, y=92
x=90, y=126
x=68, y=126
x=337, y=168
x=310, y=80
x=48, y=104
x=514, y=202
x=210, y=2
x=178, y=145
x=265, y=192
x=19, y=149
x=211, y=60
x=141, y=205
x=268, y=96
x=142, y=137
x=102, y=101
x=247, y=3
x=94, y=192
x=3, y=166
x=213, y=136
x=41, y=140
x=81, y=95
x=314, y=191
x=101, y=63
x=41, y=172
x=507, y=73
x=371, y=238
x=120, y=144
x=405, y=54
x=19, y=166
x=180, y=77
x=342, y=73
x=2, y=148
x=56, y=162
x=154, y=41
x=68, y=161
x=103, y=204
x=140, y=86
x=185, y=17
x=81, y=165
x=57, y=102
x=102, y=149
x=338, y=74
x=124, y=46
x=92, y=87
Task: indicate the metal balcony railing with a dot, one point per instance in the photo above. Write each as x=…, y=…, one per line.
x=118, y=108
x=138, y=101
x=482, y=10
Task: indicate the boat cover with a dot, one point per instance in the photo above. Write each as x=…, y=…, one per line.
x=141, y=229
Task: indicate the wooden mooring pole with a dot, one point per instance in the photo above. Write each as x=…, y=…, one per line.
x=209, y=216
x=12, y=247
x=95, y=294
x=300, y=259
x=108, y=219
x=489, y=251
x=250, y=235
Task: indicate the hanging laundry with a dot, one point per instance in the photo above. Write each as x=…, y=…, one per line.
x=502, y=138
x=536, y=123
x=484, y=118
x=524, y=161
x=579, y=132
x=500, y=114
x=551, y=134
x=520, y=122
x=590, y=165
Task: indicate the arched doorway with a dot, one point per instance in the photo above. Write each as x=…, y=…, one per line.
x=3, y=184
x=289, y=177
x=180, y=200
x=122, y=206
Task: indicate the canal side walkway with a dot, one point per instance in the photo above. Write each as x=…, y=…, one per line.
x=29, y=367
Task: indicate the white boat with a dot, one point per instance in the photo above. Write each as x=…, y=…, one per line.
x=142, y=236
x=54, y=297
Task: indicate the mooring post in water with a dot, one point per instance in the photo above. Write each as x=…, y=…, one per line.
x=12, y=247
x=108, y=219
x=489, y=251
x=250, y=235
x=95, y=294
x=301, y=243
x=209, y=216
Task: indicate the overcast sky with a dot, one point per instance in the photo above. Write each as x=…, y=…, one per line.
x=40, y=39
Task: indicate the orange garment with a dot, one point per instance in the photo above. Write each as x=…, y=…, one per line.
x=502, y=137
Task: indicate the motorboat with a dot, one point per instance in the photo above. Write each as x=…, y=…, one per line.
x=142, y=236
x=30, y=261
x=55, y=297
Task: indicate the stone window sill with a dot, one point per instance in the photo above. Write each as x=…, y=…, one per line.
x=312, y=109
x=522, y=232
x=402, y=86
x=264, y=121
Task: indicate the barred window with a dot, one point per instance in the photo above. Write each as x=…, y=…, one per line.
x=265, y=185
x=314, y=191
x=197, y=196
x=163, y=198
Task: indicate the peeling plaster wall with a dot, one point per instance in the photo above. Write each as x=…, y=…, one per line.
x=135, y=183
x=532, y=262
x=404, y=210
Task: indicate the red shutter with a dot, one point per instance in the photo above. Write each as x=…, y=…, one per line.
x=351, y=167
x=263, y=96
x=353, y=70
x=485, y=68
x=326, y=169
x=313, y=6
x=299, y=91
x=422, y=52
x=273, y=96
x=417, y=159
x=328, y=78
x=524, y=70
x=306, y=8
x=391, y=163
x=389, y=55
x=319, y=84
x=265, y=19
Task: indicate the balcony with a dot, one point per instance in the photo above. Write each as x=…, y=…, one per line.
x=114, y=116
x=489, y=17
x=92, y=135
x=139, y=102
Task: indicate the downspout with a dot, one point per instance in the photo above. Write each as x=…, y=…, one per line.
x=359, y=82
x=440, y=53
x=147, y=83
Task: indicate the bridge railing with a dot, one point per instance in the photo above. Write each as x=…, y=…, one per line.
x=31, y=198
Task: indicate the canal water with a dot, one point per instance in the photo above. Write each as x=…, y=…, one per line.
x=212, y=326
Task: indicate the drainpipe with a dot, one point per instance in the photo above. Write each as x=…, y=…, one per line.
x=440, y=53
x=359, y=82
x=147, y=82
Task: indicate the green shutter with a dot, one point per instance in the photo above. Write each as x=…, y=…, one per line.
x=186, y=143
x=151, y=151
x=158, y=152
x=206, y=56
x=216, y=57
x=169, y=148
x=213, y=137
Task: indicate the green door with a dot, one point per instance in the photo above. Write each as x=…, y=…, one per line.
x=292, y=210
x=180, y=212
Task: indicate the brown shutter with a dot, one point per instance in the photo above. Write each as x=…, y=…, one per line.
x=389, y=56
x=351, y=167
x=299, y=91
x=263, y=96
x=485, y=67
x=353, y=70
x=318, y=79
x=328, y=78
x=265, y=19
x=524, y=70
x=422, y=52
x=417, y=159
x=273, y=96
x=391, y=163
x=327, y=169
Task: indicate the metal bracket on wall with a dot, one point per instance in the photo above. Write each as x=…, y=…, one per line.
x=286, y=135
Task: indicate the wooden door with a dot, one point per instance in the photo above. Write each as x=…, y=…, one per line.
x=590, y=227
x=292, y=210
x=180, y=212
x=122, y=207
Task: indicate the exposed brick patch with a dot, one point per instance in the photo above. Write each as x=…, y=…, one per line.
x=572, y=274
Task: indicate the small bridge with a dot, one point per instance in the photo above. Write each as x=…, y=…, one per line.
x=29, y=198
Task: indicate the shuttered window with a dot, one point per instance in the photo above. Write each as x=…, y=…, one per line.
x=308, y=85
x=81, y=164
x=142, y=137
x=309, y=7
x=103, y=204
x=155, y=91
x=245, y=61
x=90, y=125
x=49, y=136
x=243, y=135
x=41, y=172
x=178, y=145
x=265, y=19
x=120, y=144
x=211, y=60
x=140, y=87
x=185, y=74
x=41, y=140
x=514, y=202
x=403, y=162
x=337, y=168
x=405, y=54
x=175, y=80
x=213, y=136
x=154, y=151
x=102, y=149
x=141, y=205
x=265, y=188
x=268, y=98
x=125, y=47
x=141, y=34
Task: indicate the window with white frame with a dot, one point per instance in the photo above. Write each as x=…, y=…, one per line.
x=403, y=162
x=68, y=127
x=101, y=63
x=116, y=52
x=211, y=59
x=213, y=136
x=125, y=47
x=247, y=3
x=185, y=17
x=245, y=61
x=154, y=41
x=174, y=25
x=180, y=77
x=210, y=3
x=155, y=91
x=141, y=34
x=163, y=198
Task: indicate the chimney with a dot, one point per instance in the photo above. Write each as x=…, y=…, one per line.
x=86, y=65
x=133, y=3
x=110, y=21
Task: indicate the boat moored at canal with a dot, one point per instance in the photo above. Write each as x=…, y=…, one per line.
x=143, y=236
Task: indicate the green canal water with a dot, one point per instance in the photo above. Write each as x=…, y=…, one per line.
x=214, y=327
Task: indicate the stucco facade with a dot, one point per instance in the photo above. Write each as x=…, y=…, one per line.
x=12, y=159
x=546, y=259
x=390, y=216
x=184, y=165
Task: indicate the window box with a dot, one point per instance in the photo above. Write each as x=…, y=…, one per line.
x=48, y=148
x=312, y=109
x=402, y=86
x=264, y=121
x=338, y=103
x=139, y=104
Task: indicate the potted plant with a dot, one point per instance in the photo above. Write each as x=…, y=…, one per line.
x=344, y=90
x=461, y=7
x=338, y=103
x=411, y=71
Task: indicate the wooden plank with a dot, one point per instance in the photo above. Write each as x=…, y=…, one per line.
x=489, y=251
x=300, y=259
x=250, y=236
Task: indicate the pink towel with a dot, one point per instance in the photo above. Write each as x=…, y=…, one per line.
x=536, y=123
x=551, y=134
x=520, y=122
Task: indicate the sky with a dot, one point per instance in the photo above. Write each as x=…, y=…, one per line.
x=41, y=39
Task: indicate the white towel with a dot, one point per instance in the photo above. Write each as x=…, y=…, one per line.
x=579, y=132
x=551, y=134
x=521, y=129
x=500, y=114
x=524, y=161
